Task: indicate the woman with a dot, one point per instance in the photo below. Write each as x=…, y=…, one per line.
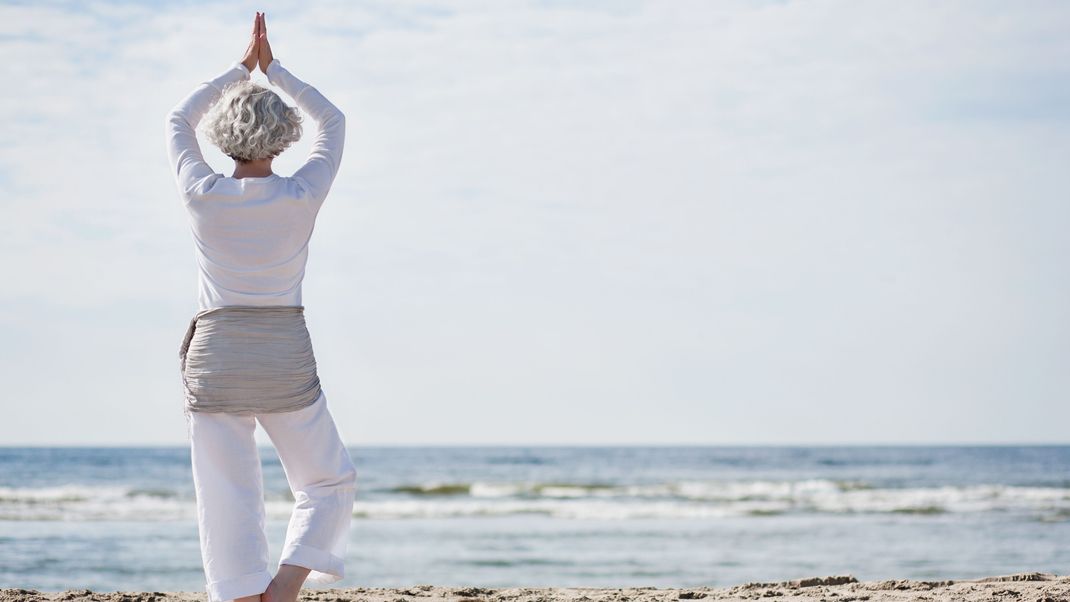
x=247, y=356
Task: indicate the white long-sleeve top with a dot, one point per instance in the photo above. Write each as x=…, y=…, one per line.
x=251, y=234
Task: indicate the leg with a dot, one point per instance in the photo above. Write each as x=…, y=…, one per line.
x=230, y=504
x=323, y=480
x=286, y=586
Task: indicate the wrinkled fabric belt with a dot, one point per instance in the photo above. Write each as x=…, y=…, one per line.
x=245, y=359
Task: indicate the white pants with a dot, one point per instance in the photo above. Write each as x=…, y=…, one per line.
x=230, y=496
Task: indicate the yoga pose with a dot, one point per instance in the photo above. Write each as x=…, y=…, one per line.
x=247, y=356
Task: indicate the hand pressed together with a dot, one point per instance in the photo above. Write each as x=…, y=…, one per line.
x=259, y=49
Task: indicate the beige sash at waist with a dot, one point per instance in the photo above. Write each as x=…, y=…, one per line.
x=247, y=359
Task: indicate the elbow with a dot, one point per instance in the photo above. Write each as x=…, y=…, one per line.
x=177, y=115
x=332, y=124
x=335, y=116
x=169, y=124
x=174, y=118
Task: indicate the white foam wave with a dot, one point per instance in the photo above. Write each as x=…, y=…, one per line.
x=686, y=490
x=694, y=500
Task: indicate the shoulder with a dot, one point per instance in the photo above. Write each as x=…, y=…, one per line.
x=203, y=186
x=306, y=190
x=278, y=190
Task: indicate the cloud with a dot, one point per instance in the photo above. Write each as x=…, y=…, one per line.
x=576, y=221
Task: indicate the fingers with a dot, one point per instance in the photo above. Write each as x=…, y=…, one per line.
x=264, y=44
x=264, y=47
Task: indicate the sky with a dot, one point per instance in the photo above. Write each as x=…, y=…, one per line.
x=570, y=222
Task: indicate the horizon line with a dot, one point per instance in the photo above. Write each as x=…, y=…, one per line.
x=579, y=445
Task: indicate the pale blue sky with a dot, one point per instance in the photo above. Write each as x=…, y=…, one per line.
x=571, y=222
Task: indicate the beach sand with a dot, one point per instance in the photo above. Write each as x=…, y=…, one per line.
x=1022, y=587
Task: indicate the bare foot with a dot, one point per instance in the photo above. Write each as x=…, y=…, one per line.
x=255, y=598
x=287, y=584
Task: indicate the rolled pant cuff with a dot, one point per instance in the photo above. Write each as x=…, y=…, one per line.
x=326, y=567
x=238, y=587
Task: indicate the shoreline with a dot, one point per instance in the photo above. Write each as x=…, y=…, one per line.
x=1022, y=587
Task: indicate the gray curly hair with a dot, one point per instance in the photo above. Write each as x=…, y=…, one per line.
x=251, y=122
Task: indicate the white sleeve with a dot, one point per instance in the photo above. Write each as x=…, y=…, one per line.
x=187, y=164
x=325, y=157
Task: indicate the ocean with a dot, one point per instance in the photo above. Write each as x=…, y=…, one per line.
x=113, y=519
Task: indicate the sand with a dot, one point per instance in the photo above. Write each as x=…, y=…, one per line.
x=1022, y=587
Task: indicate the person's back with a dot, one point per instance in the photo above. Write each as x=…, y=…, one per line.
x=251, y=238
x=251, y=234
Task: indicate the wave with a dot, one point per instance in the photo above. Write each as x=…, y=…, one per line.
x=108, y=503
x=674, y=500
x=686, y=490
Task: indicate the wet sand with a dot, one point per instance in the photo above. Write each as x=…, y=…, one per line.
x=1022, y=587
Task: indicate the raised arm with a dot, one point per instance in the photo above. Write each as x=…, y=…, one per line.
x=318, y=172
x=187, y=164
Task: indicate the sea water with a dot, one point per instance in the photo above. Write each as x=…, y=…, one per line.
x=124, y=518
